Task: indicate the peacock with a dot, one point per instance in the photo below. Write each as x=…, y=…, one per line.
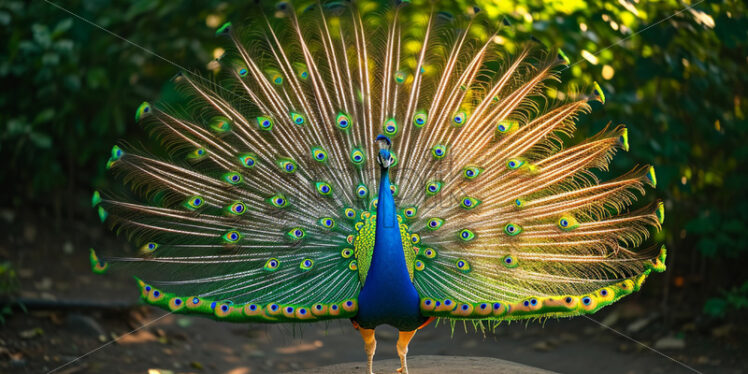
x=383, y=163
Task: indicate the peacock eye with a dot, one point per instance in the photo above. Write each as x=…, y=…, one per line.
x=471, y=172
x=419, y=265
x=232, y=178
x=459, y=118
x=287, y=165
x=297, y=118
x=327, y=222
x=276, y=78
x=279, y=201
x=410, y=212
x=237, y=208
x=514, y=163
x=568, y=223
x=434, y=223
x=296, y=233
x=400, y=76
x=390, y=127
x=512, y=229
x=509, y=262
x=194, y=202
x=432, y=188
x=439, y=151
x=272, y=264
x=469, y=202
x=362, y=191
x=343, y=121
x=357, y=156
x=419, y=119
x=264, y=123
x=346, y=253
x=242, y=72
x=463, y=266
x=306, y=264
x=197, y=155
x=143, y=110
x=116, y=153
x=248, y=160
x=506, y=126
x=323, y=188
x=429, y=253
x=415, y=238
x=149, y=247
x=231, y=237
x=319, y=154
x=466, y=235
x=350, y=213
x=301, y=70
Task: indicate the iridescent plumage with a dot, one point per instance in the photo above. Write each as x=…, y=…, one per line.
x=264, y=202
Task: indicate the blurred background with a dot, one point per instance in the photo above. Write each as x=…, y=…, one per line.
x=675, y=74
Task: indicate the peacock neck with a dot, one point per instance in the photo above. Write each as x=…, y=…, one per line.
x=386, y=217
x=388, y=295
x=388, y=258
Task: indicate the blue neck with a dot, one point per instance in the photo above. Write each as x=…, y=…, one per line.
x=388, y=248
x=388, y=296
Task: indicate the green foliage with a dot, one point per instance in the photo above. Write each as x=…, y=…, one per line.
x=9, y=284
x=70, y=90
x=735, y=299
x=9, y=287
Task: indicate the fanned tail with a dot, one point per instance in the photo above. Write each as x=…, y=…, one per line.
x=258, y=203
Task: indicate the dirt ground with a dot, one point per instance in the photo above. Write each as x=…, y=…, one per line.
x=73, y=313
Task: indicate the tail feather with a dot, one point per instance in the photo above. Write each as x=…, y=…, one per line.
x=253, y=208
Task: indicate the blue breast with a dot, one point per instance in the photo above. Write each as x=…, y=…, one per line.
x=388, y=296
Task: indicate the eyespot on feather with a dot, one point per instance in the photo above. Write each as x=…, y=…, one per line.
x=143, y=111
x=568, y=222
x=420, y=118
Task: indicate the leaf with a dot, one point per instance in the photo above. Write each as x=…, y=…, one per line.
x=715, y=307
x=45, y=115
x=61, y=27
x=41, y=140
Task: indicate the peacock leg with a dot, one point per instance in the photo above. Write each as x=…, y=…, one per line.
x=402, y=349
x=370, y=345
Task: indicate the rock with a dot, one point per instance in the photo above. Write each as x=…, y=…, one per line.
x=85, y=324
x=433, y=365
x=670, y=342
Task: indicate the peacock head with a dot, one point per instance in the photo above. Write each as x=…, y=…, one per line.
x=384, y=157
